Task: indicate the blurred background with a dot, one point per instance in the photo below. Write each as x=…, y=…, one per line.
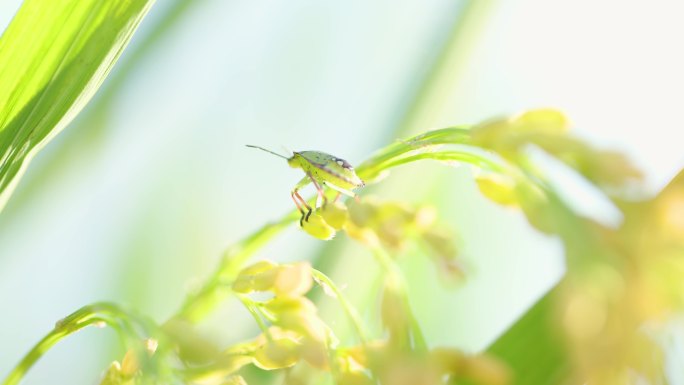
x=135, y=201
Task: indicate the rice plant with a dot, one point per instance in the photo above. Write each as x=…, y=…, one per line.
x=603, y=323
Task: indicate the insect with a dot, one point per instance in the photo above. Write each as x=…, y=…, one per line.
x=320, y=169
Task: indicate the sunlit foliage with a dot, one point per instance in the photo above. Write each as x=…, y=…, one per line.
x=621, y=286
x=622, y=289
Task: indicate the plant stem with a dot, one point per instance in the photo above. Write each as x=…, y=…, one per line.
x=466, y=155
x=369, y=169
x=110, y=314
x=203, y=301
x=254, y=311
x=393, y=272
x=350, y=310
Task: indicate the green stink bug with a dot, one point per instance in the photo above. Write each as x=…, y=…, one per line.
x=320, y=169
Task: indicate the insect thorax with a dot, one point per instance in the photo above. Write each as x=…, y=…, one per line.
x=329, y=169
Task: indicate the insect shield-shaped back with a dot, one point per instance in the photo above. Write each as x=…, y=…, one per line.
x=329, y=169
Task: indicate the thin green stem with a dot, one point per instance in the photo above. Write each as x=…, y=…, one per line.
x=386, y=263
x=372, y=167
x=39, y=349
x=254, y=311
x=466, y=155
x=203, y=301
x=392, y=271
x=347, y=307
x=110, y=314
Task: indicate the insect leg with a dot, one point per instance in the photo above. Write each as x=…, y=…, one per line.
x=342, y=191
x=299, y=206
x=308, y=208
x=299, y=201
x=319, y=189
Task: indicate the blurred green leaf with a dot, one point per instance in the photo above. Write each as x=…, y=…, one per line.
x=49, y=73
x=533, y=347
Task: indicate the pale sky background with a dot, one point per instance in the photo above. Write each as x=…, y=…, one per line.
x=149, y=207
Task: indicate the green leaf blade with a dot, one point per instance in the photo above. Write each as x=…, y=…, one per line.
x=53, y=57
x=534, y=348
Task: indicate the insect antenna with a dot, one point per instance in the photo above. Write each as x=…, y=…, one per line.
x=263, y=149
